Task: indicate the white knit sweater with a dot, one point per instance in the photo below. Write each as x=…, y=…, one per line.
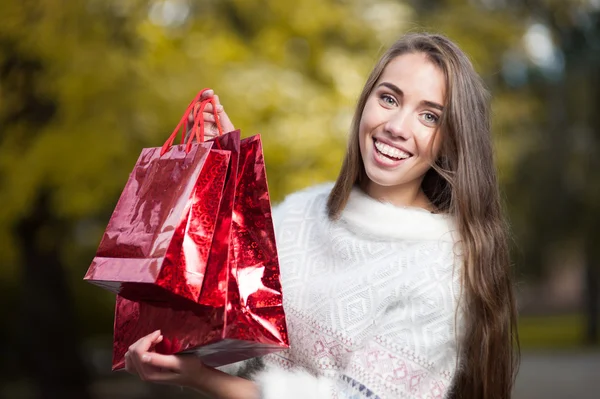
x=370, y=301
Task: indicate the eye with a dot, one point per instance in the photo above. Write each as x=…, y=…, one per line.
x=388, y=100
x=430, y=118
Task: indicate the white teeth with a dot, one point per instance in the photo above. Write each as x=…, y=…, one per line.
x=391, y=151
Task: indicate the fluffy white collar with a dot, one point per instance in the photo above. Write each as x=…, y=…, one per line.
x=365, y=215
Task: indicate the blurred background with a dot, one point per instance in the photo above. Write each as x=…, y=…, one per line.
x=86, y=84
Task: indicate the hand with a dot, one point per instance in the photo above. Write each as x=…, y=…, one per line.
x=210, y=127
x=184, y=370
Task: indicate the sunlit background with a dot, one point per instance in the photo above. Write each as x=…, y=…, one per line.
x=86, y=84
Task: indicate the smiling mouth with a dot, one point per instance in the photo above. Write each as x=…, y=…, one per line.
x=390, y=152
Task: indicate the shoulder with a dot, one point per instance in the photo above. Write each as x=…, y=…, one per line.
x=308, y=194
x=309, y=200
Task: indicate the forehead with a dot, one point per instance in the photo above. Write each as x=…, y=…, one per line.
x=416, y=76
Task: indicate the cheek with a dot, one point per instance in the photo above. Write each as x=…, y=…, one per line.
x=363, y=131
x=371, y=116
x=362, y=140
x=429, y=145
x=437, y=144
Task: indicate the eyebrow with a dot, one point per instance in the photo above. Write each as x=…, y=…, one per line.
x=400, y=93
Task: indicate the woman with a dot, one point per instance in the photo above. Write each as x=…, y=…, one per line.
x=396, y=279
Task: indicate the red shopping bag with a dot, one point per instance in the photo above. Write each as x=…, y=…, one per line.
x=240, y=312
x=158, y=240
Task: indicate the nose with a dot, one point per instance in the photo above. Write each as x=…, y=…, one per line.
x=398, y=124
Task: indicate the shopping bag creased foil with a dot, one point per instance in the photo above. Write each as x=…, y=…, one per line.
x=190, y=250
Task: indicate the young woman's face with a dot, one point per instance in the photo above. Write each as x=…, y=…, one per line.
x=399, y=121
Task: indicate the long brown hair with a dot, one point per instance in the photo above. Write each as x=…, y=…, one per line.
x=462, y=183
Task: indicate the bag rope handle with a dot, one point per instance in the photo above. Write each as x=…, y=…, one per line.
x=195, y=107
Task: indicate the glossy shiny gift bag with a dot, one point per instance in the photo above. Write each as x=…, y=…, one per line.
x=158, y=240
x=240, y=313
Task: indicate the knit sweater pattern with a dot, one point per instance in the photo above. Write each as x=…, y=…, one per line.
x=370, y=299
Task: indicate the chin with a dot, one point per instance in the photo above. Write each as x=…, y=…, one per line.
x=379, y=179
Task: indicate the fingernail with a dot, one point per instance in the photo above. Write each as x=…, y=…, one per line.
x=219, y=108
x=146, y=358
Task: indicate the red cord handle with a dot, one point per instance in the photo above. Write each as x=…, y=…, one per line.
x=196, y=107
x=198, y=128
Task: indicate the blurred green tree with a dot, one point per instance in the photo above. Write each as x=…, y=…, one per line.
x=560, y=176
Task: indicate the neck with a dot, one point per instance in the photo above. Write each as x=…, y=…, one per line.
x=368, y=216
x=405, y=195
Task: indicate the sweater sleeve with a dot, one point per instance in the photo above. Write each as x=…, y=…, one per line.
x=244, y=369
x=278, y=383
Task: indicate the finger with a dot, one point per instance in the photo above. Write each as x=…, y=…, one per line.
x=162, y=368
x=207, y=94
x=133, y=366
x=145, y=343
x=210, y=131
x=141, y=347
x=223, y=117
x=129, y=364
x=217, y=101
x=209, y=108
x=208, y=117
